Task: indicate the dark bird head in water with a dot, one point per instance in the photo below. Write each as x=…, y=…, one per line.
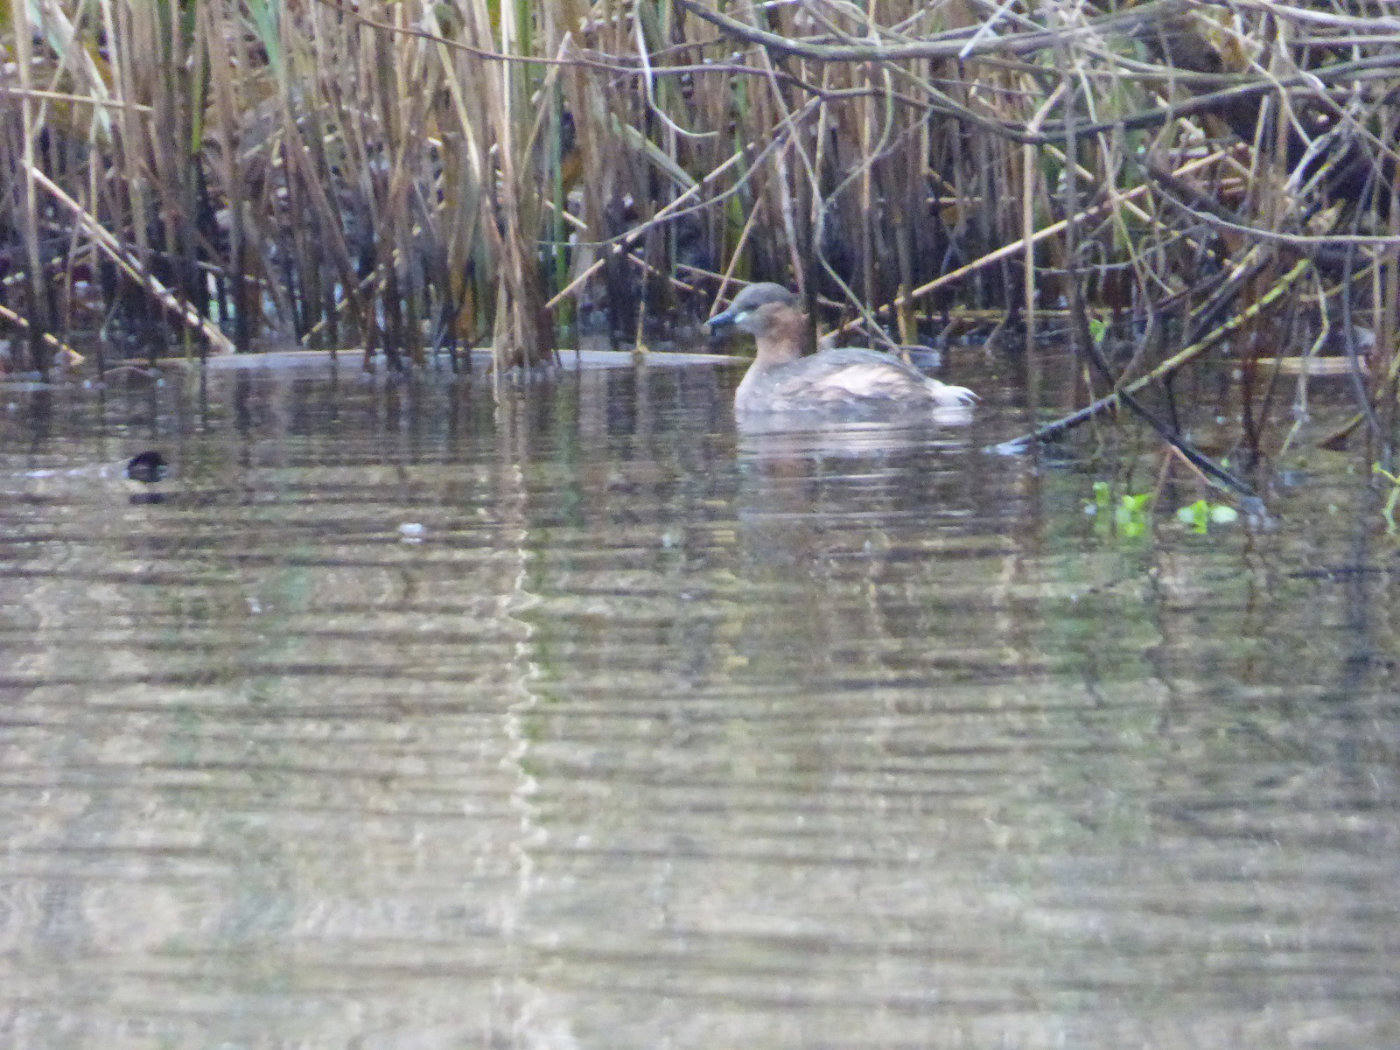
x=149, y=467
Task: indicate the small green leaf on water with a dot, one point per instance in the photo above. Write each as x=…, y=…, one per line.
x=1202, y=514
x=1131, y=516
x=1132, y=528
x=1197, y=515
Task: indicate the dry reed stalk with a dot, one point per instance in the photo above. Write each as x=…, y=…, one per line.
x=31, y=123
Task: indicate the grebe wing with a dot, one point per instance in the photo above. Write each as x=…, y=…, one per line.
x=849, y=374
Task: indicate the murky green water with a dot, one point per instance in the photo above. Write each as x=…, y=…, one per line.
x=403, y=722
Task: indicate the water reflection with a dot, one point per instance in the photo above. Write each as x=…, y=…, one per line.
x=657, y=734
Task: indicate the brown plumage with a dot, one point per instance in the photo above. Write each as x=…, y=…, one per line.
x=840, y=382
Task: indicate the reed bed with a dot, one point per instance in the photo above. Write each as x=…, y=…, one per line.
x=1156, y=182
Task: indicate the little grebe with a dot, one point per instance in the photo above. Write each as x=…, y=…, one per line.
x=843, y=382
x=147, y=467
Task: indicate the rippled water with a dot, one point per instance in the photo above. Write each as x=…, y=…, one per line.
x=400, y=721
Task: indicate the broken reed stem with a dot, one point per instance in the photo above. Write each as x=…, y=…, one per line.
x=110, y=247
x=1175, y=363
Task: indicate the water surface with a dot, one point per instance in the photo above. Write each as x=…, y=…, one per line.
x=403, y=720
